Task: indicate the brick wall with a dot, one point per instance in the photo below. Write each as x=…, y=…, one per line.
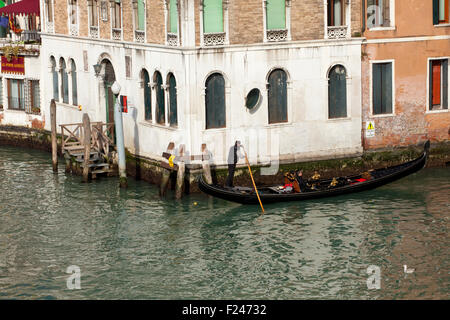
x=155, y=21
x=61, y=16
x=127, y=21
x=307, y=19
x=83, y=18
x=356, y=18
x=245, y=21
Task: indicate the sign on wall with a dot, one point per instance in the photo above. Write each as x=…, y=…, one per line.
x=370, y=129
x=15, y=65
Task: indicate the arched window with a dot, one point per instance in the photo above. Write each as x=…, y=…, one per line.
x=337, y=92
x=215, y=101
x=276, y=14
x=212, y=16
x=74, y=83
x=55, y=78
x=277, y=96
x=173, y=121
x=159, y=91
x=147, y=95
x=65, y=80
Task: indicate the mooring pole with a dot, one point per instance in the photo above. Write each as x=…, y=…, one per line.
x=205, y=164
x=54, y=142
x=165, y=174
x=180, y=174
x=119, y=136
x=87, y=146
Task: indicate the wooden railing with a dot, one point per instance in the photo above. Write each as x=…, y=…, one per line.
x=102, y=136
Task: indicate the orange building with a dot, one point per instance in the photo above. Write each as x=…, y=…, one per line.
x=405, y=72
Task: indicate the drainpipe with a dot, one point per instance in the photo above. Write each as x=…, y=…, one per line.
x=119, y=136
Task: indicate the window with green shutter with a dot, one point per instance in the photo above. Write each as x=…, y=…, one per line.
x=141, y=15
x=277, y=96
x=276, y=14
x=147, y=95
x=382, y=88
x=212, y=16
x=74, y=83
x=160, y=103
x=173, y=119
x=215, y=101
x=173, y=16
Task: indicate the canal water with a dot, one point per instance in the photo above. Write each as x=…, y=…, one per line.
x=130, y=244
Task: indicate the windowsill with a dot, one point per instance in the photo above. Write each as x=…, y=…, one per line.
x=14, y=110
x=147, y=123
x=339, y=119
x=383, y=115
x=442, y=25
x=66, y=105
x=279, y=124
x=381, y=28
x=219, y=130
x=436, y=111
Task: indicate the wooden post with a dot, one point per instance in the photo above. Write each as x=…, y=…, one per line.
x=87, y=146
x=180, y=175
x=205, y=164
x=54, y=142
x=166, y=173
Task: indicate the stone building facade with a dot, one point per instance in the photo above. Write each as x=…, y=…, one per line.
x=187, y=68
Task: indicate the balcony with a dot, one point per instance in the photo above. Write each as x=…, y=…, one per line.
x=172, y=39
x=116, y=34
x=337, y=32
x=139, y=36
x=93, y=32
x=276, y=35
x=214, y=39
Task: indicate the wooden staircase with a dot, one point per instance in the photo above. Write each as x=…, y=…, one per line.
x=102, y=147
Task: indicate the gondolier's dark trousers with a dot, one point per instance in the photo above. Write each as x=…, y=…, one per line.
x=231, y=168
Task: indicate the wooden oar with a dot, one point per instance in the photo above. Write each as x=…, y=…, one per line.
x=251, y=175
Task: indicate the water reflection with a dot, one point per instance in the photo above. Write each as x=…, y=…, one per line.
x=131, y=244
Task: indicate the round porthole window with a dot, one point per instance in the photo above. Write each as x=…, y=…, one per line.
x=253, y=98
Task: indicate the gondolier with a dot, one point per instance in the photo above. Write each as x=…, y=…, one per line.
x=233, y=157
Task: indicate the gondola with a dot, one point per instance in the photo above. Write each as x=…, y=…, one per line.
x=271, y=194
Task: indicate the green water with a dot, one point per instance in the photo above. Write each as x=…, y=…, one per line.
x=130, y=244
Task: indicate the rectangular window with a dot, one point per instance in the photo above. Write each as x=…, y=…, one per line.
x=212, y=16
x=73, y=11
x=378, y=13
x=93, y=12
x=35, y=101
x=49, y=10
x=15, y=94
x=173, y=17
x=382, y=88
x=116, y=15
x=438, y=84
x=336, y=12
x=276, y=15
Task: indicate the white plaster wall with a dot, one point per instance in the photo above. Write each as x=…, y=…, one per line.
x=309, y=134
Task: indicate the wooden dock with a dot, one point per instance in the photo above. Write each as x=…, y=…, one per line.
x=97, y=156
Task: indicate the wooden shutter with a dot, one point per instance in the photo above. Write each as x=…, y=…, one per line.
x=55, y=85
x=74, y=84
x=435, y=11
x=376, y=88
x=173, y=16
x=445, y=84
x=337, y=93
x=173, y=101
x=215, y=102
x=386, y=87
x=276, y=14
x=277, y=96
x=160, y=108
x=436, y=81
x=141, y=15
x=212, y=16
x=147, y=96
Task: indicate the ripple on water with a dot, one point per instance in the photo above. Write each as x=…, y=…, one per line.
x=132, y=244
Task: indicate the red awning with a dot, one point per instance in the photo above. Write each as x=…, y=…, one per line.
x=22, y=7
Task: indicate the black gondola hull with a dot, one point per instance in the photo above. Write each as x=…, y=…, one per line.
x=391, y=174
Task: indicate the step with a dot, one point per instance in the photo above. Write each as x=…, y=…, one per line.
x=75, y=147
x=102, y=171
x=81, y=154
x=96, y=165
